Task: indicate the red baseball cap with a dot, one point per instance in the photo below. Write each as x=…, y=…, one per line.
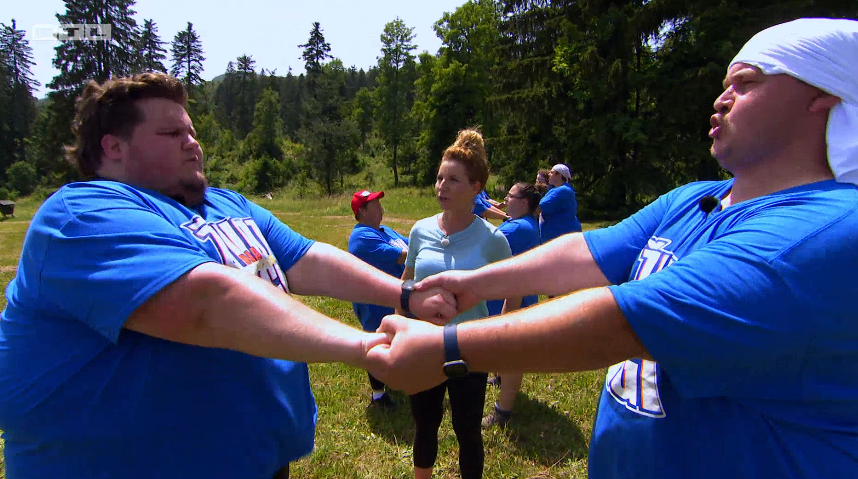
x=363, y=197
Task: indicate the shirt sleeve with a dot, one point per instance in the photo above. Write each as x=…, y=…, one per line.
x=100, y=266
x=287, y=245
x=480, y=206
x=727, y=320
x=398, y=235
x=616, y=248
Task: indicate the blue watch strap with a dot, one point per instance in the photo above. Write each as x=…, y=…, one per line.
x=451, y=343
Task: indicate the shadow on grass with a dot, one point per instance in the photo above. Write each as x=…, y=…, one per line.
x=539, y=432
x=542, y=433
x=395, y=426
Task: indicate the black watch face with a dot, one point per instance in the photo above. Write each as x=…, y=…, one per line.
x=456, y=369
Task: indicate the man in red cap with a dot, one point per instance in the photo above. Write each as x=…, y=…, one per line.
x=383, y=248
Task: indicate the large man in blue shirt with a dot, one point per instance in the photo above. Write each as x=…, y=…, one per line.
x=386, y=250
x=148, y=331
x=726, y=308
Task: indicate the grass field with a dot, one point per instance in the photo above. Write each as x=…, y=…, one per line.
x=546, y=439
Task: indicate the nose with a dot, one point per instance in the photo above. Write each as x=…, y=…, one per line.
x=724, y=102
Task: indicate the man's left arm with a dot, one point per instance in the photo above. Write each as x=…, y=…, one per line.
x=328, y=271
x=324, y=270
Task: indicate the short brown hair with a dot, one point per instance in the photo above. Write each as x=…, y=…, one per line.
x=530, y=193
x=111, y=108
x=470, y=151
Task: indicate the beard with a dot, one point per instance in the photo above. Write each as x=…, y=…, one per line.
x=191, y=192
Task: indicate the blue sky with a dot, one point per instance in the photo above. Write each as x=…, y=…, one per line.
x=268, y=30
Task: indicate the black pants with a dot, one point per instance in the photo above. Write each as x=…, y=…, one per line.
x=467, y=399
x=374, y=383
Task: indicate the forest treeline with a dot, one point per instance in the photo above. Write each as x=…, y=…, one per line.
x=618, y=90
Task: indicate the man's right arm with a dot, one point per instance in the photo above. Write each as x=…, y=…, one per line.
x=216, y=306
x=569, y=263
x=557, y=267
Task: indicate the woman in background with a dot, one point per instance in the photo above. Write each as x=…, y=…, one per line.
x=522, y=234
x=455, y=239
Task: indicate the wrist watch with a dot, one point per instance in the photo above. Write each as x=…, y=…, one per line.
x=405, y=296
x=454, y=365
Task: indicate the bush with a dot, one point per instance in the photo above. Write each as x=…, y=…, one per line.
x=7, y=194
x=263, y=175
x=22, y=177
x=42, y=193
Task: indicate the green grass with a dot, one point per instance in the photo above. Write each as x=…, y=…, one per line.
x=547, y=438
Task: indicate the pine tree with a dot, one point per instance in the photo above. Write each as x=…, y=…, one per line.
x=80, y=61
x=17, y=105
x=246, y=94
x=7, y=143
x=395, y=91
x=17, y=56
x=187, y=50
x=152, y=50
x=225, y=98
x=316, y=51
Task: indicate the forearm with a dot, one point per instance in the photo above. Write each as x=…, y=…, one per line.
x=219, y=307
x=557, y=267
x=494, y=213
x=327, y=271
x=579, y=332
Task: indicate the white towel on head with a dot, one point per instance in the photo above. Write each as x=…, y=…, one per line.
x=822, y=52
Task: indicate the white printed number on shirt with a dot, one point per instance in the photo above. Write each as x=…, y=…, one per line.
x=634, y=383
x=241, y=245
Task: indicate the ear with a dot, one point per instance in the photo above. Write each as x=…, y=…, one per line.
x=823, y=102
x=477, y=186
x=113, y=147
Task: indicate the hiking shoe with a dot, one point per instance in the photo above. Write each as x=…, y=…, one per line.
x=498, y=417
x=384, y=402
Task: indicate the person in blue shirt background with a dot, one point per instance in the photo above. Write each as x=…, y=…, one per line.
x=487, y=208
x=386, y=250
x=149, y=330
x=724, y=310
x=522, y=234
x=559, y=206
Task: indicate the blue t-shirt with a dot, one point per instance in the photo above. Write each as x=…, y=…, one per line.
x=480, y=205
x=559, y=212
x=522, y=234
x=381, y=248
x=753, y=327
x=80, y=396
x=431, y=252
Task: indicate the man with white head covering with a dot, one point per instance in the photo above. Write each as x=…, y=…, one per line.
x=726, y=308
x=559, y=207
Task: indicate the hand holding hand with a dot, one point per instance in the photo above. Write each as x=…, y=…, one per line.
x=366, y=343
x=455, y=283
x=414, y=359
x=436, y=305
